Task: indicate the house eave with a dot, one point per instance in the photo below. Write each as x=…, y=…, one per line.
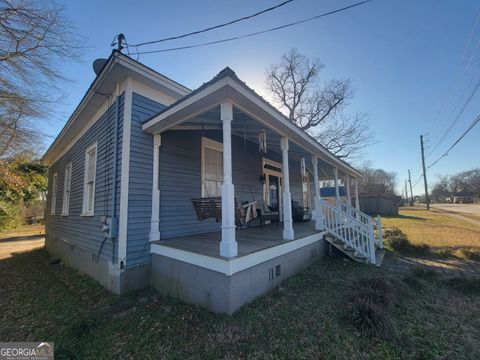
x=117, y=69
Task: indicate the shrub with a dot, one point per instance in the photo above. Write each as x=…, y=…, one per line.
x=470, y=254
x=369, y=308
x=397, y=241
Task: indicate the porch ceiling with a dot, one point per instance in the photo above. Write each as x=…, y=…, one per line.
x=252, y=114
x=247, y=129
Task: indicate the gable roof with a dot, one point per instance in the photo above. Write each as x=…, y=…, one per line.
x=225, y=86
x=116, y=68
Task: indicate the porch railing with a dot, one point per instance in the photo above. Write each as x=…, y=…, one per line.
x=355, y=234
x=365, y=219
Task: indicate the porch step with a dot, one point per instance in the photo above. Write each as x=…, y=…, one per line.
x=344, y=248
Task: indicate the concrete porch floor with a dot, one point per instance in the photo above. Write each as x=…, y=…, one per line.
x=249, y=240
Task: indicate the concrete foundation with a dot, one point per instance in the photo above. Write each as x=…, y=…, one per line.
x=105, y=272
x=222, y=293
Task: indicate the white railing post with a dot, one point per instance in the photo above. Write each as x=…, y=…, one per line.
x=379, y=232
x=371, y=243
x=228, y=245
x=155, y=218
x=317, y=212
x=288, y=233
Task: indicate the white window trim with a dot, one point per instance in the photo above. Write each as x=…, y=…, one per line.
x=85, y=177
x=66, y=204
x=266, y=185
x=53, y=205
x=211, y=144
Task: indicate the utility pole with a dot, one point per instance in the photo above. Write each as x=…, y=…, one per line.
x=427, y=199
x=406, y=190
x=411, y=192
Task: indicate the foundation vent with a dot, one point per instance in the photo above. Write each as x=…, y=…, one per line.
x=274, y=272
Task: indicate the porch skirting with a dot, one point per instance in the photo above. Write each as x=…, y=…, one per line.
x=225, y=285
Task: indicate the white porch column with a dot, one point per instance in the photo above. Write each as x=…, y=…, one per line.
x=337, y=190
x=228, y=245
x=317, y=212
x=357, y=200
x=349, y=198
x=155, y=219
x=288, y=233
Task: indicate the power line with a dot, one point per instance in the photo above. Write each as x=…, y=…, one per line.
x=472, y=125
x=213, y=27
x=416, y=182
x=460, y=113
x=446, y=101
x=255, y=33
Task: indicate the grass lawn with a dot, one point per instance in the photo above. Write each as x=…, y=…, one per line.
x=333, y=310
x=443, y=234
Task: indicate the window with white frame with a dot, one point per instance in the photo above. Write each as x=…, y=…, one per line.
x=212, y=168
x=66, y=189
x=89, y=180
x=53, y=204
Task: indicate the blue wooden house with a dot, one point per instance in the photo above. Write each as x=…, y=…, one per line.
x=195, y=193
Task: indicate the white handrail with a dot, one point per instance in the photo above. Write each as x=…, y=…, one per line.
x=354, y=233
x=364, y=218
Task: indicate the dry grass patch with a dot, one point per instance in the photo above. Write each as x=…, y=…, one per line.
x=442, y=234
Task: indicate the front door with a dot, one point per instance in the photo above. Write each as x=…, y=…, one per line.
x=274, y=191
x=272, y=188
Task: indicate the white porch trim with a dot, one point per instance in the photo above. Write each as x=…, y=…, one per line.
x=348, y=190
x=229, y=89
x=357, y=200
x=228, y=245
x=155, y=219
x=337, y=189
x=288, y=233
x=232, y=266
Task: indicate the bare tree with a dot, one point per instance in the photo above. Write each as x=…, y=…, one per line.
x=376, y=182
x=315, y=107
x=35, y=38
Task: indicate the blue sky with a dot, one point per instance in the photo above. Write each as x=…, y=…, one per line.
x=410, y=61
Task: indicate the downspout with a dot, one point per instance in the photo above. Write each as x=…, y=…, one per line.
x=114, y=169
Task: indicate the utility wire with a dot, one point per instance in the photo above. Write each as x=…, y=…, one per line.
x=472, y=125
x=213, y=27
x=416, y=182
x=456, y=118
x=446, y=101
x=255, y=33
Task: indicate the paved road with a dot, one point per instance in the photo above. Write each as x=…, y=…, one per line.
x=21, y=240
x=467, y=212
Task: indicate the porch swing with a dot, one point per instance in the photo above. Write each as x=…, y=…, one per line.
x=211, y=206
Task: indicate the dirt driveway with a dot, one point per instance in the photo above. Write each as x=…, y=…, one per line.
x=23, y=239
x=467, y=212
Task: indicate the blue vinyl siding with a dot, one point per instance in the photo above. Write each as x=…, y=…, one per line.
x=180, y=179
x=79, y=231
x=140, y=182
